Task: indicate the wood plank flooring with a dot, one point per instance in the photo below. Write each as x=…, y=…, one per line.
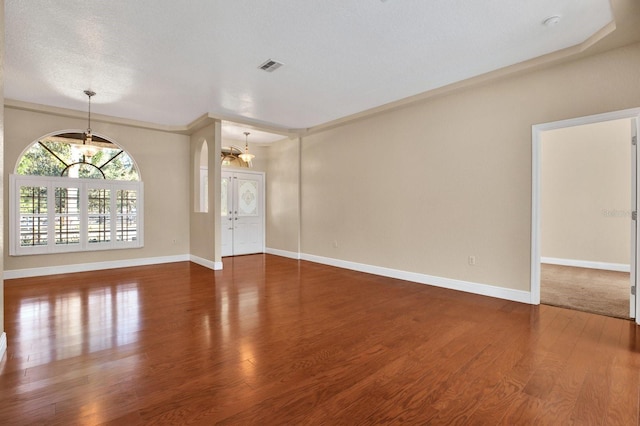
x=270, y=340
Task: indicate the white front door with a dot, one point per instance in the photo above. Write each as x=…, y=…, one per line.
x=242, y=213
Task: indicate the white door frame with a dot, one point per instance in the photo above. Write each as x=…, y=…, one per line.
x=536, y=131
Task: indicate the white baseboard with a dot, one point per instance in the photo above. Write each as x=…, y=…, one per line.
x=619, y=267
x=216, y=266
x=3, y=344
x=95, y=266
x=283, y=253
x=466, y=286
x=452, y=284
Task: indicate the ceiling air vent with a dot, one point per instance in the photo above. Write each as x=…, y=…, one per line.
x=270, y=65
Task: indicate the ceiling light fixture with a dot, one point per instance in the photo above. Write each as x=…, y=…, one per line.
x=246, y=157
x=87, y=148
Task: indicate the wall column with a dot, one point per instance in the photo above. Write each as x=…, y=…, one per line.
x=204, y=226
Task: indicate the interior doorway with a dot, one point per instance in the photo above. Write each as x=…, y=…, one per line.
x=585, y=215
x=584, y=241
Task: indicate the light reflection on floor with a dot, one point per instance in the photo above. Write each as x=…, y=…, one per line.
x=88, y=321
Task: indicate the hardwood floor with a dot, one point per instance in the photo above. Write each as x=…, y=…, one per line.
x=270, y=340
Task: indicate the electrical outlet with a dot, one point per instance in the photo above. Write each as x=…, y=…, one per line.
x=335, y=243
x=472, y=260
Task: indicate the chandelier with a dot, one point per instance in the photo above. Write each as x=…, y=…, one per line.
x=246, y=157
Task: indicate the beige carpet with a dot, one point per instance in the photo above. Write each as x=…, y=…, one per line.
x=590, y=290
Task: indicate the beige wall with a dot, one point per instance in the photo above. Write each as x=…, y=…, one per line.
x=204, y=241
x=282, y=195
x=163, y=161
x=586, y=192
x=423, y=187
x=259, y=163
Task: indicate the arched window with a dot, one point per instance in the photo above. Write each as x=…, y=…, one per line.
x=65, y=154
x=67, y=196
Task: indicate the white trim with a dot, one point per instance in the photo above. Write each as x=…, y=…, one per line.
x=536, y=183
x=590, y=119
x=283, y=253
x=299, y=212
x=536, y=131
x=452, y=284
x=216, y=266
x=95, y=266
x=3, y=344
x=618, y=267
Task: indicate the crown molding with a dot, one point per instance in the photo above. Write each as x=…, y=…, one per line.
x=71, y=113
x=549, y=59
x=197, y=124
x=253, y=124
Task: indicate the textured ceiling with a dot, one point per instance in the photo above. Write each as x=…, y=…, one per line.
x=169, y=62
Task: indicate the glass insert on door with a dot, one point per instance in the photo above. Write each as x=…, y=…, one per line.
x=247, y=197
